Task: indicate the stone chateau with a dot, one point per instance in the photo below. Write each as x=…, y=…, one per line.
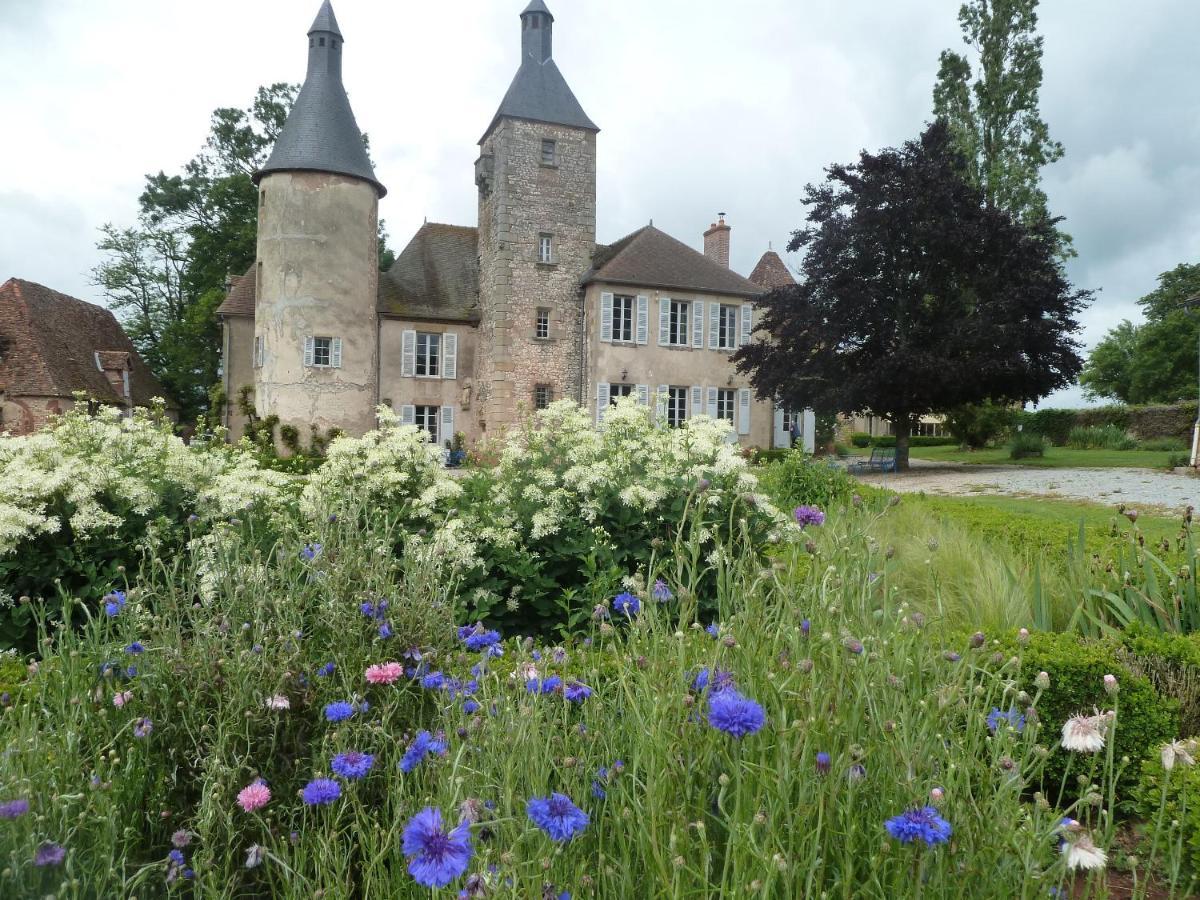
x=475, y=326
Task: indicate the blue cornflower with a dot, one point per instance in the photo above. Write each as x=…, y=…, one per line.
x=805, y=627
x=131, y=671
x=13, y=809
x=326, y=670
x=577, y=692
x=385, y=630
x=720, y=680
x=142, y=728
x=476, y=638
x=49, y=853
x=114, y=602
x=714, y=630
x=557, y=816
x=176, y=856
x=923, y=824
x=470, y=707
x=135, y=648
x=823, y=763
x=495, y=651
x=808, y=515
x=434, y=681
x=352, y=764
x=734, y=714
x=626, y=603
x=536, y=655
x=310, y=552
x=339, y=711
x=367, y=608
x=423, y=744
x=1012, y=717
x=661, y=592
x=435, y=857
x=321, y=792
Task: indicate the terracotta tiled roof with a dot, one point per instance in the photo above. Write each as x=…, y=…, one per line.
x=435, y=277
x=652, y=258
x=771, y=272
x=49, y=344
x=240, y=299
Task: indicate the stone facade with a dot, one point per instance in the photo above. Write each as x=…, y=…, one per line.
x=523, y=199
x=316, y=285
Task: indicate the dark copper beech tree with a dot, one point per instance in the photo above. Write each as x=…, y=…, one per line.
x=915, y=296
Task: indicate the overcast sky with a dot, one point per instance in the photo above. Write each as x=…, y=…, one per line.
x=703, y=105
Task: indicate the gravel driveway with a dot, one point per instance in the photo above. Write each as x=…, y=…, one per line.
x=1133, y=487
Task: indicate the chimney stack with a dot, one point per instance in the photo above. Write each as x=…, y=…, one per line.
x=716, y=241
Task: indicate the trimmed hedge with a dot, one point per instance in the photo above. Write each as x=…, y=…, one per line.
x=1143, y=422
x=916, y=440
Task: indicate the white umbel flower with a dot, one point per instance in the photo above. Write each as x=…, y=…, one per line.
x=1178, y=751
x=1084, y=734
x=1081, y=853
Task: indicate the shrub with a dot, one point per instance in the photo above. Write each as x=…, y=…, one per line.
x=761, y=457
x=1052, y=424
x=1163, y=444
x=1116, y=415
x=1171, y=662
x=1025, y=445
x=860, y=439
x=1077, y=667
x=916, y=440
x=1100, y=437
x=1174, y=797
x=802, y=481
x=978, y=424
x=1179, y=460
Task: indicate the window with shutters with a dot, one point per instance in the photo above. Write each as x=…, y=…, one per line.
x=622, y=318
x=727, y=327
x=322, y=355
x=427, y=418
x=677, y=327
x=429, y=354
x=542, y=395
x=725, y=403
x=617, y=391
x=545, y=248
x=677, y=405
x=549, y=153
x=542, y=329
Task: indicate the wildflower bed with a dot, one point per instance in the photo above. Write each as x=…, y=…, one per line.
x=307, y=705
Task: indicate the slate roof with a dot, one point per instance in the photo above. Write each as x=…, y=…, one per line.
x=652, y=258
x=435, y=277
x=539, y=92
x=320, y=134
x=771, y=272
x=49, y=344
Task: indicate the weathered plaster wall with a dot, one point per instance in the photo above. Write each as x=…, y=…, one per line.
x=317, y=274
x=237, y=360
x=396, y=390
x=653, y=365
x=25, y=415
x=520, y=199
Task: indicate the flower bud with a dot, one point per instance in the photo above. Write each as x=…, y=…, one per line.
x=1042, y=681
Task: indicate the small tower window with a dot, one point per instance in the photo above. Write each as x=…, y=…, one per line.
x=545, y=248
x=321, y=41
x=549, y=152
x=542, y=395
x=262, y=197
x=543, y=324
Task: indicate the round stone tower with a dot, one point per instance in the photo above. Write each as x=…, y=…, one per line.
x=316, y=280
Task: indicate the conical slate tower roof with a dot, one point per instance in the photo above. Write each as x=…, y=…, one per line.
x=539, y=92
x=320, y=134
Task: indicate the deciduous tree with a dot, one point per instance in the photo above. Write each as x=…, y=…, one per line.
x=915, y=296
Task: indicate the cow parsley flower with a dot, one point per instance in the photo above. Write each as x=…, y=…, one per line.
x=352, y=764
x=557, y=816
x=423, y=744
x=435, y=857
x=321, y=792
x=919, y=824
x=734, y=714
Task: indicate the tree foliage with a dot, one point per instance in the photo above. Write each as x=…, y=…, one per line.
x=995, y=117
x=1155, y=362
x=166, y=275
x=916, y=296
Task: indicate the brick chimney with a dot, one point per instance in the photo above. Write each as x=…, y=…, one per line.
x=716, y=241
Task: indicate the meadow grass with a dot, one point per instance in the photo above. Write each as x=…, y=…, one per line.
x=824, y=636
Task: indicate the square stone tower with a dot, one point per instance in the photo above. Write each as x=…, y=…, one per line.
x=536, y=175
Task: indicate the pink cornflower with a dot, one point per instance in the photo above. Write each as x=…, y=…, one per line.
x=384, y=673
x=254, y=796
x=278, y=702
x=121, y=698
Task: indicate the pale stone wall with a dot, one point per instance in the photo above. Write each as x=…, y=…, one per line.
x=654, y=365
x=395, y=389
x=237, y=362
x=519, y=200
x=317, y=274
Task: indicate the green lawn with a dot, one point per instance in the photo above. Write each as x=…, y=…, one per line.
x=1056, y=457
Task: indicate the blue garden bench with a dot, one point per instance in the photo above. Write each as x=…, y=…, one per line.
x=883, y=459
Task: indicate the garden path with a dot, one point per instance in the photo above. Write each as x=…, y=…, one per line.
x=1133, y=487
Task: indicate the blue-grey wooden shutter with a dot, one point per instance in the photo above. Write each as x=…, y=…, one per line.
x=697, y=405
x=606, y=311
x=714, y=324
x=601, y=400
x=747, y=322
x=643, y=319
x=335, y=353
x=660, y=406
x=450, y=356
x=712, y=402
x=408, y=354
x=408, y=414
x=698, y=324
x=743, y=411
x=643, y=392
x=664, y=321
x=447, y=423
x=308, y=351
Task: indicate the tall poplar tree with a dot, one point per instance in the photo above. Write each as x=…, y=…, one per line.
x=992, y=107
